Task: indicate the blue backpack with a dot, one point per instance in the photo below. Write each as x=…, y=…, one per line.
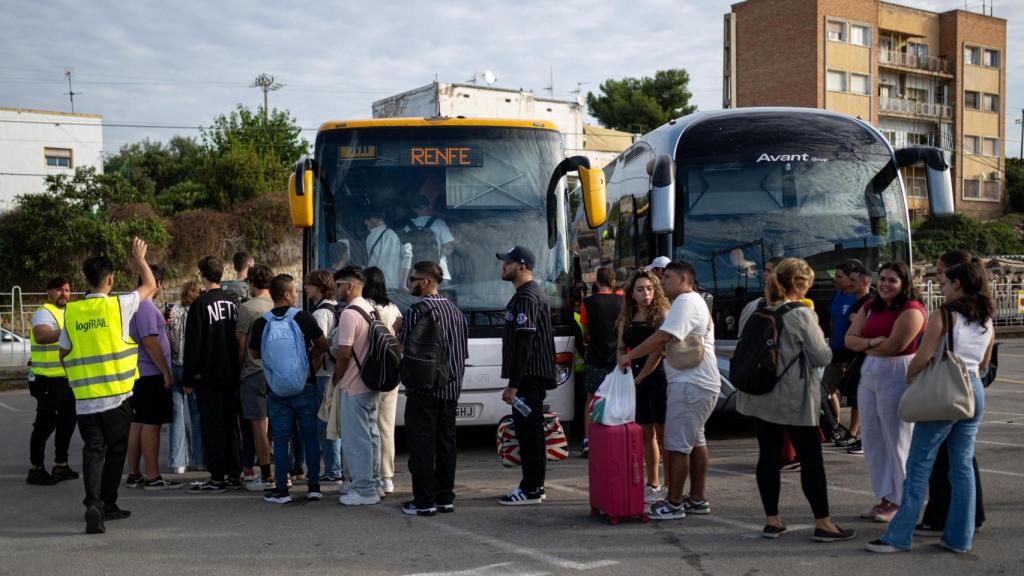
x=283, y=352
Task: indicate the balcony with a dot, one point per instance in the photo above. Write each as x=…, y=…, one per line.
x=914, y=108
x=905, y=60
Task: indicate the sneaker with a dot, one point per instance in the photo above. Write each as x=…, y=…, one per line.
x=134, y=480
x=692, y=506
x=248, y=474
x=207, y=487
x=196, y=468
x=855, y=448
x=770, y=531
x=519, y=498
x=297, y=473
x=357, y=499
x=276, y=497
x=653, y=493
x=94, y=521
x=410, y=509
x=927, y=531
x=881, y=547
x=945, y=545
x=380, y=492
x=159, y=483
x=388, y=485
x=324, y=478
x=665, y=510
x=178, y=470
x=40, y=477
x=234, y=483
x=873, y=512
x=848, y=441
x=446, y=508
x=886, y=516
x=259, y=485
x=840, y=535
x=586, y=448
x=790, y=467
x=112, y=512
x=346, y=487
x=62, y=472
x=314, y=493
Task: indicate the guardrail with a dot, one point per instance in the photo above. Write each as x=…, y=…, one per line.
x=909, y=60
x=1004, y=294
x=915, y=107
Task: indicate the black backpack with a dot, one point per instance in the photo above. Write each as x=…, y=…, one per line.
x=754, y=363
x=423, y=240
x=379, y=368
x=424, y=365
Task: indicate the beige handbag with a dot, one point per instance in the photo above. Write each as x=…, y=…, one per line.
x=686, y=353
x=942, y=391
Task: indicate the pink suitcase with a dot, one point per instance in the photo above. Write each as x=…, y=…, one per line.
x=616, y=464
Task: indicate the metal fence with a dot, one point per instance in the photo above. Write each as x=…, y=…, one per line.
x=1005, y=295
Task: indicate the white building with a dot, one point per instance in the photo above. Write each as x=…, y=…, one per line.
x=478, y=101
x=37, y=143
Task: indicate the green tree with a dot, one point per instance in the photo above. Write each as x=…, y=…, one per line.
x=642, y=104
x=1015, y=183
x=935, y=236
x=278, y=137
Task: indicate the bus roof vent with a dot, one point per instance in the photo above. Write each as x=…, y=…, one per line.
x=636, y=151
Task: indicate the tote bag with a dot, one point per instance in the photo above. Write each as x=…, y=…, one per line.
x=942, y=391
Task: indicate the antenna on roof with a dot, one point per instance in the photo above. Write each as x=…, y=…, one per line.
x=71, y=93
x=551, y=81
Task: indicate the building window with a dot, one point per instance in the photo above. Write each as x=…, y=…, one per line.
x=890, y=135
x=990, y=190
x=835, y=81
x=972, y=100
x=836, y=30
x=58, y=157
x=990, y=58
x=860, y=35
x=990, y=147
x=971, y=145
x=860, y=84
x=972, y=190
x=990, y=102
x=919, y=50
x=972, y=55
x=916, y=182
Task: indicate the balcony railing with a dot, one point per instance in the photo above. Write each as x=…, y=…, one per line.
x=915, y=108
x=908, y=60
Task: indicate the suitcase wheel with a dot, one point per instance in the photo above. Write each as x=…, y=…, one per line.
x=644, y=518
x=613, y=520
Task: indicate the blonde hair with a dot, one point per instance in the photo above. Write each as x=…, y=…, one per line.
x=189, y=292
x=790, y=274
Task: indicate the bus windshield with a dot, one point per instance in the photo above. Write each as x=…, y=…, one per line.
x=820, y=188
x=454, y=194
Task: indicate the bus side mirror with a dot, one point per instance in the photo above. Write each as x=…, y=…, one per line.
x=936, y=165
x=300, y=194
x=595, y=196
x=663, y=195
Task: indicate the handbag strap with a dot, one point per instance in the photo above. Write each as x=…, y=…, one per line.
x=947, y=318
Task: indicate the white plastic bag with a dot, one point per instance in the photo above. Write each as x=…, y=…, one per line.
x=615, y=401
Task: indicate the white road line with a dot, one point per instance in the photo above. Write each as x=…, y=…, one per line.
x=504, y=568
x=998, y=443
x=537, y=555
x=1003, y=413
x=830, y=487
x=9, y=407
x=1002, y=473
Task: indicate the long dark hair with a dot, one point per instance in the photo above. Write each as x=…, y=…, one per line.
x=659, y=304
x=375, y=288
x=908, y=292
x=976, y=303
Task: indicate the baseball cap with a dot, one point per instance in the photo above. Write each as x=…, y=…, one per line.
x=520, y=255
x=659, y=262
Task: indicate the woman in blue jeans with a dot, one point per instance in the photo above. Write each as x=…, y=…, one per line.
x=965, y=288
x=186, y=443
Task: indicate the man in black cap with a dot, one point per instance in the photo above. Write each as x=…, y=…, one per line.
x=527, y=361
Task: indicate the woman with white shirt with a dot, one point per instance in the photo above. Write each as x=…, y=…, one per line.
x=965, y=288
x=376, y=292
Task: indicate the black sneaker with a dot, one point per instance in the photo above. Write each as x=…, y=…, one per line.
x=840, y=535
x=446, y=508
x=62, y=472
x=94, y=521
x=855, y=448
x=208, y=487
x=848, y=441
x=113, y=512
x=410, y=509
x=159, y=483
x=40, y=477
x=519, y=498
x=135, y=480
x=314, y=493
x=277, y=497
x=233, y=483
x=770, y=531
x=297, y=473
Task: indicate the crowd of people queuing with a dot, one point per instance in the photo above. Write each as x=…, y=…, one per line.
x=258, y=392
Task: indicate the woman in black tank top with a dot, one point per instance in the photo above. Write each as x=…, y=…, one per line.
x=643, y=310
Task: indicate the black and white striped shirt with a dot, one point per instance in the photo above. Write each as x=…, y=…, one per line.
x=453, y=322
x=528, y=312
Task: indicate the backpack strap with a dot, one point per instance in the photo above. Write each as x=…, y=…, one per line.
x=429, y=223
x=376, y=242
x=369, y=322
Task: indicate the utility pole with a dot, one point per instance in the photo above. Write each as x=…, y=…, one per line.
x=266, y=83
x=71, y=93
x=1021, y=122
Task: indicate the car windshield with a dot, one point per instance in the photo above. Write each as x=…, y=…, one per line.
x=458, y=195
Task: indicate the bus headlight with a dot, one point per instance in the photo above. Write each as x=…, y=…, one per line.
x=563, y=366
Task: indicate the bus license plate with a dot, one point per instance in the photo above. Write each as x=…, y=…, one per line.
x=467, y=411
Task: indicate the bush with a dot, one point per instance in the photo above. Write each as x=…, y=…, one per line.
x=935, y=236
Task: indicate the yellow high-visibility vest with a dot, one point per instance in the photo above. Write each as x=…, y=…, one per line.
x=103, y=361
x=579, y=364
x=46, y=357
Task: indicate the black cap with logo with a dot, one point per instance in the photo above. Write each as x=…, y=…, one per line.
x=520, y=255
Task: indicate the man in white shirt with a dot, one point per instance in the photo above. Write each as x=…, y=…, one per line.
x=383, y=248
x=692, y=394
x=425, y=219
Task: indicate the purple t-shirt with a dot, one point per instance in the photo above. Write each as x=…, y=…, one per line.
x=149, y=321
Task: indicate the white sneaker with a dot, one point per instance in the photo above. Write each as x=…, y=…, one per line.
x=653, y=494
x=258, y=485
x=178, y=470
x=356, y=499
x=388, y=485
x=346, y=486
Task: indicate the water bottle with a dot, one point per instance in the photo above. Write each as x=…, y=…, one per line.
x=521, y=407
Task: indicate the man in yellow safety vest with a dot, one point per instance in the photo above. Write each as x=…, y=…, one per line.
x=101, y=363
x=55, y=405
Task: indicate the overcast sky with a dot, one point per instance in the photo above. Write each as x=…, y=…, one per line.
x=181, y=63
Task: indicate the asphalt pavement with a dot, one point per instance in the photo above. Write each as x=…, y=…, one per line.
x=42, y=531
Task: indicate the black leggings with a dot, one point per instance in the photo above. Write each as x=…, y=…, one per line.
x=807, y=443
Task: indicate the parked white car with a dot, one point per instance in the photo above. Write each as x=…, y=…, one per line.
x=14, y=350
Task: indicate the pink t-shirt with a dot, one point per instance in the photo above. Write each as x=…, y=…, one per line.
x=882, y=323
x=353, y=330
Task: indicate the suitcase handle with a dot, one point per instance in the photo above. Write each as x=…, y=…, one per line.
x=637, y=479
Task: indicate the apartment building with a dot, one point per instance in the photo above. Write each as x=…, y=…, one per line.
x=920, y=77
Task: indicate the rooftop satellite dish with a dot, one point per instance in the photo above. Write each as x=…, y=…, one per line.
x=489, y=77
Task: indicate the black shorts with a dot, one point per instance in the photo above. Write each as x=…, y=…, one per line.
x=651, y=399
x=151, y=402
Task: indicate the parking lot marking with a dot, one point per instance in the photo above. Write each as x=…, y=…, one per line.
x=504, y=568
x=9, y=407
x=1010, y=380
x=1002, y=473
x=524, y=551
x=1004, y=413
x=999, y=443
